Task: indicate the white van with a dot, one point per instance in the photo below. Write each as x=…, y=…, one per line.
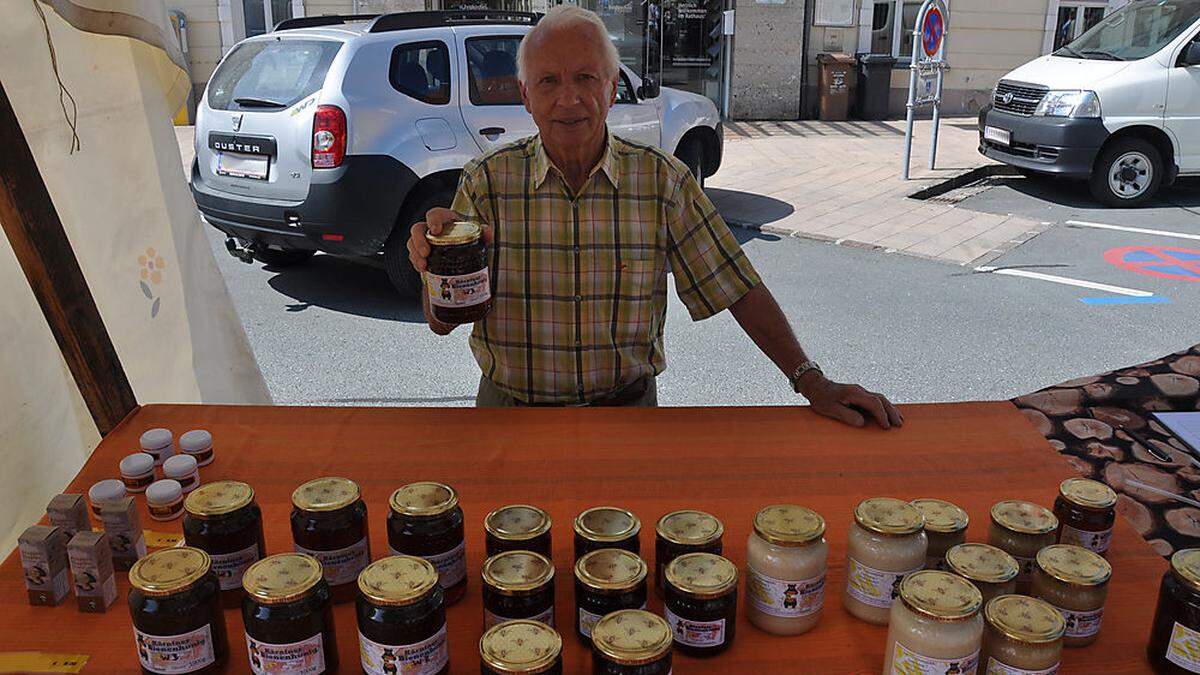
x=1119, y=106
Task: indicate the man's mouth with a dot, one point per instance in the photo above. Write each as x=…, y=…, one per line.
x=572, y=123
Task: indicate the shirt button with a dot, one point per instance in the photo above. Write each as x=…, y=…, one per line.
x=578, y=298
x=577, y=249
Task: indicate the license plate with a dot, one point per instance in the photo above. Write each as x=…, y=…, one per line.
x=240, y=165
x=1001, y=136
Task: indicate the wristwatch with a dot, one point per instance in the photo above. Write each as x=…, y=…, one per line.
x=800, y=371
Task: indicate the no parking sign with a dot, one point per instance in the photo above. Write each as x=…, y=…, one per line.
x=1165, y=262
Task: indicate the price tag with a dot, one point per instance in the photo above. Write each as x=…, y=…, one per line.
x=42, y=662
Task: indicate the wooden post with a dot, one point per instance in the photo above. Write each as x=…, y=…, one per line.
x=45, y=254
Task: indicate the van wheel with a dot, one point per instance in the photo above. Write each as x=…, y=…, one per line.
x=691, y=153
x=400, y=271
x=274, y=257
x=1127, y=173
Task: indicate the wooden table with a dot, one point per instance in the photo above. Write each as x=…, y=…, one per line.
x=728, y=461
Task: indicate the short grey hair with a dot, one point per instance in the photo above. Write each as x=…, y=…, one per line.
x=570, y=15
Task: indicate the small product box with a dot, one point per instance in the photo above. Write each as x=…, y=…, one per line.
x=124, y=528
x=44, y=560
x=92, y=571
x=68, y=512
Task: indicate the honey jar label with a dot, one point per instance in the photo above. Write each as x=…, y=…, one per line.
x=451, y=566
x=546, y=616
x=306, y=657
x=1082, y=624
x=696, y=633
x=230, y=567
x=1026, y=568
x=994, y=667
x=588, y=620
x=877, y=588
x=463, y=290
x=1093, y=541
x=1184, y=648
x=176, y=653
x=912, y=662
x=342, y=565
x=427, y=657
x=784, y=598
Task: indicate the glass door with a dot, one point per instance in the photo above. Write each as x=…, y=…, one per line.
x=1074, y=19
x=262, y=15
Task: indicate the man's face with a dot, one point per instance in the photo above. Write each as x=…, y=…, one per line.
x=567, y=89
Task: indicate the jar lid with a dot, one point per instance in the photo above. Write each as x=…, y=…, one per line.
x=1074, y=565
x=166, y=491
x=940, y=595
x=1185, y=564
x=218, y=499
x=156, y=439
x=282, y=577
x=106, y=490
x=197, y=440
x=517, y=522
x=788, y=525
x=885, y=515
x=397, y=580
x=424, y=499
x=632, y=637
x=611, y=569
x=169, y=571
x=458, y=232
x=942, y=516
x=689, y=528
x=326, y=494
x=607, y=523
x=1025, y=619
x=1087, y=493
x=179, y=466
x=702, y=575
x=521, y=646
x=137, y=464
x=1024, y=517
x=517, y=572
x=983, y=563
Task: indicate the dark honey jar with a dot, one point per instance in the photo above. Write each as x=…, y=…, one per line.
x=329, y=522
x=174, y=600
x=457, y=277
x=517, y=527
x=288, y=613
x=522, y=647
x=402, y=618
x=223, y=520
x=426, y=521
x=1086, y=511
x=632, y=642
x=518, y=585
x=701, y=603
x=681, y=532
x=606, y=581
x=606, y=527
x=1176, y=628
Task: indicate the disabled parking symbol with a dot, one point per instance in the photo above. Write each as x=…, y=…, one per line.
x=1165, y=262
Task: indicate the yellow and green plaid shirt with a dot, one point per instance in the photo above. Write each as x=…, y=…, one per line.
x=579, y=284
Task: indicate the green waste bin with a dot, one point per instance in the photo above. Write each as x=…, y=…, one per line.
x=874, y=86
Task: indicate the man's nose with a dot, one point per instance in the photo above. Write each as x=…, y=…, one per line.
x=570, y=94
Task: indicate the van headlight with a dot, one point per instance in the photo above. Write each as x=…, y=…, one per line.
x=1070, y=103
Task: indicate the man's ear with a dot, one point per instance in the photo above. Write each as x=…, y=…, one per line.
x=524, y=96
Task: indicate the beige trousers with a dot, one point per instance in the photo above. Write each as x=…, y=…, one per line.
x=490, y=396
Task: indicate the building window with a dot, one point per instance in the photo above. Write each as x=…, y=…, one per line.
x=1073, y=20
x=886, y=36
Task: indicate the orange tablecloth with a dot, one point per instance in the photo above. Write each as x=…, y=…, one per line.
x=728, y=461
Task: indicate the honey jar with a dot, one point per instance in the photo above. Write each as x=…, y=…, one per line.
x=288, y=614
x=518, y=585
x=935, y=627
x=786, y=556
x=222, y=519
x=456, y=279
x=1021, y=636
x=945, y=528
x=701, y=603
x=426, y=521
x=1086, y=511
x=402, y=618
x=1021, y=529
x=680, y=532
x=606, y=527
x=1075, y=581
x=632, y=642
x=178, y=625
x=993, y=571
x=329, y=523
x=522, y=647
x=607, y=580
x=517, y=527
x=886, y=542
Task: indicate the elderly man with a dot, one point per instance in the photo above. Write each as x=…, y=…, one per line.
x=583, y=227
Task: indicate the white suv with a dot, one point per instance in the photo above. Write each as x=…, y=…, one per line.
x=335, y=134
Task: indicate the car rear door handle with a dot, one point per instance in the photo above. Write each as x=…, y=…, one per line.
x=491, y=131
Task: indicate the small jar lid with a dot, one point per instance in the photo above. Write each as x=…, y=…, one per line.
x=1185, y=565
x=179, y=466
x=517, y=572
x=521, y=646
x=169, y=570
x=1025, y=619
x=611, y=569
x=458, y=232
x=219, y=498
x=517, y=522
x=632, y=637
x=1024, y=517
x=106, y=490
x=607, y=524
x=166, y=491
x=1074, y=565
x=690, y=528
x=156, y=439
x=281, y=578
x=885, y=515
x=702, y=575
x=424, y=499
x=1089, y=494
x=983, y=563
x=788, y=525
x=397, y=580
x=942, y=516
x=940, y=595
x=196, y=440
x=137, y=464
x=326, y=494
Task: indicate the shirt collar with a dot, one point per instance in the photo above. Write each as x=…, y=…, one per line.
x=542, y=163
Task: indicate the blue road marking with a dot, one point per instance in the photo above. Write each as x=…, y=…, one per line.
x=1126, y=300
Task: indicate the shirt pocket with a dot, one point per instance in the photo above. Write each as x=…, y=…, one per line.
x=637, y=288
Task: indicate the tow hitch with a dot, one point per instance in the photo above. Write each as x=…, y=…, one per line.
x=245, y=253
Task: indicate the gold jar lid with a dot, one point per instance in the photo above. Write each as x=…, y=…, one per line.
x=424, y=499
x=702, y=575
x=1089, y=494
x=788, y=525
x=632, y=637
x=458, y=232
x=611, y=569
x=607, y=524
x=1025, y=619
x=1024, y=517
x=517, y=572
x=219, y=498
x=689, y=528
x=1185, y=565
x=397, y=580
x=521, y=646
x=942, y=516
x=281, y=578
x=1074, y=565
x=326, y=494
x=940, y=595
x=884, y=515
x=517, y=522
x=983, y=563
x=169, y=571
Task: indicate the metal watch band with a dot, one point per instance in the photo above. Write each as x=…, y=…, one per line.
x=800, y=371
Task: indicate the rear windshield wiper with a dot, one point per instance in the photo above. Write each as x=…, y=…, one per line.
x=251, y=102
x=1109, y=56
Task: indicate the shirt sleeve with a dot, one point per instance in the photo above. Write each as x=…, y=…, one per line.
x=469, y=200
x=711, y=270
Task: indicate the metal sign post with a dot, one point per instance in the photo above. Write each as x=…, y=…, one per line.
x=927, y=72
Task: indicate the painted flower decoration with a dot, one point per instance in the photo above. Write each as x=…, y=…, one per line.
x=152, y=265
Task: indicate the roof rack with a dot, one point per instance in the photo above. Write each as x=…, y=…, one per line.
x=433, y=19
x=324, y=20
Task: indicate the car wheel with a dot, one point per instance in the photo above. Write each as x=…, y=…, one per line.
x=274, y=257
x=691, y=153
x=1128, y=172
x=400, y=271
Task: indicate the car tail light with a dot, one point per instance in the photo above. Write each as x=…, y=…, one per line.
x=329, y=137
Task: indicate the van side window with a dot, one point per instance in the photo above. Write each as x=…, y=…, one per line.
x=422, y=70
x=492, y=70
x=625, y=90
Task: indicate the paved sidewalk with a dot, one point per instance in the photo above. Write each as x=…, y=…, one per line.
x=840, y=182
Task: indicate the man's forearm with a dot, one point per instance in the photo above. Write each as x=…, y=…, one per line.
x=760, y=316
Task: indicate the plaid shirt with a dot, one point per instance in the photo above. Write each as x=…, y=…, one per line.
x=579, y=285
